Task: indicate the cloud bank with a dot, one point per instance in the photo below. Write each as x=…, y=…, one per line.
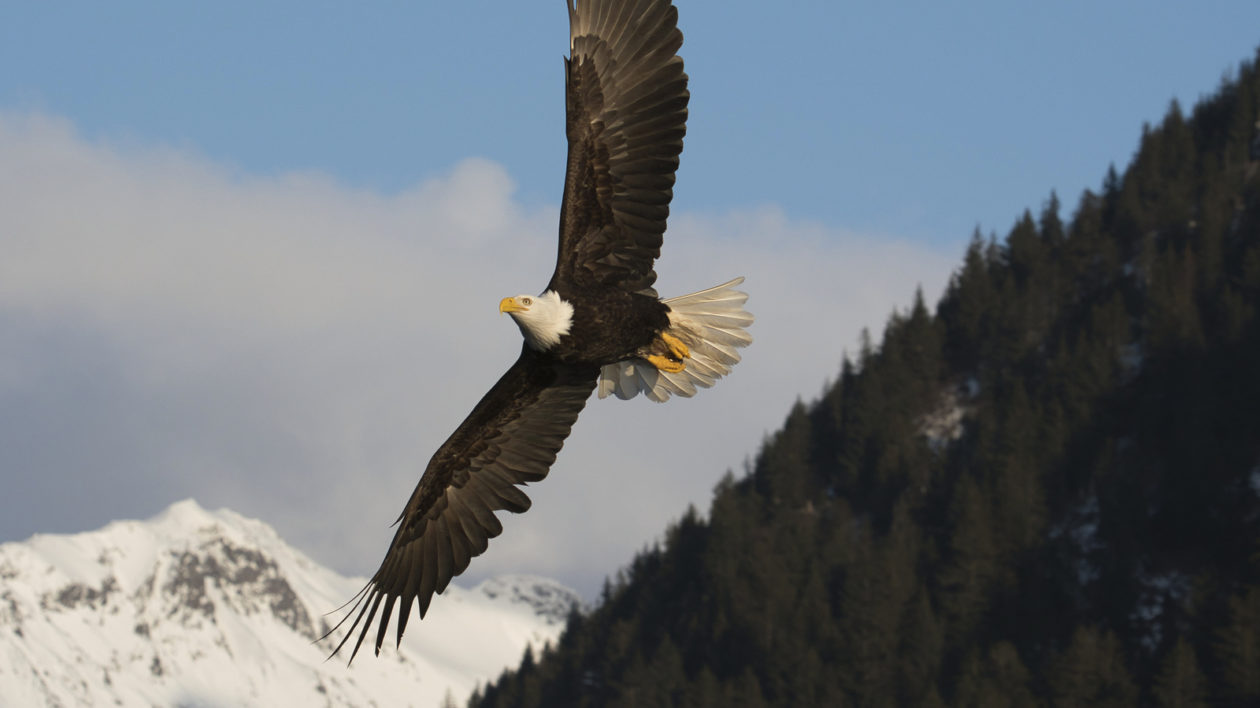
x=295, y=349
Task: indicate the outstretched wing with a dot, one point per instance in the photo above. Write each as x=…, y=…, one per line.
x=626, y=112
x=510, y=438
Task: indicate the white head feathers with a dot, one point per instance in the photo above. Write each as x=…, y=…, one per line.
x=543, y=319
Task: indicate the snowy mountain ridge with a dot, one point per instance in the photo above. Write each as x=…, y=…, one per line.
x=194, y=607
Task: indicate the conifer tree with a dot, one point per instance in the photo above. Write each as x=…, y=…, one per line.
x=1091, y=672
x=999, y=680
x=1238, y=648
x=972, y=567
x=1179, y=683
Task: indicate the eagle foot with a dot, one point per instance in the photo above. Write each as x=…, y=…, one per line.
x=664, y=363
x=667, y=353
x=676, y=347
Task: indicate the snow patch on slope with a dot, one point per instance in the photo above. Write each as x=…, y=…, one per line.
x=199, y=607
x=945, y=423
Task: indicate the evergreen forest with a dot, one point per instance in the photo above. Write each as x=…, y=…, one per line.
x=1046, y=492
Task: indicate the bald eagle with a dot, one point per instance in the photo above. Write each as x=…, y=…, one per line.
x=599, y=322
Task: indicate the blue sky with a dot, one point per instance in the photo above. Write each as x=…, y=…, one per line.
x=917, y=120
x=251, y=253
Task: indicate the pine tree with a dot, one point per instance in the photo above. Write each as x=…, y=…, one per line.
x=920, y=652
x=973, y=564
x=1092, y=672
x=1000, y=680
x=1238, y=648
x=1173, y=319
x=1179, y=683
x=1020, y=514
x=965, y=307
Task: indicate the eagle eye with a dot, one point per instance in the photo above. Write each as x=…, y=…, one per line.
x=527, y=301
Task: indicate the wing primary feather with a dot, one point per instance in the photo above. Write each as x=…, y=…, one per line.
x=408, y=592
x=385, y=615
x=358, y=618
x=485, y=518
x=355, y=600
x=428, y=574
x=443, y=543
x=512, y=499
x=615, y=24
x=460, y=556
x=404, y=614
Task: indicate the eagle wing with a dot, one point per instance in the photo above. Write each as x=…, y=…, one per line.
x=510, y=438
x=626, y=111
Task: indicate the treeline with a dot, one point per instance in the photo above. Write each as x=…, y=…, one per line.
x=1046, y=493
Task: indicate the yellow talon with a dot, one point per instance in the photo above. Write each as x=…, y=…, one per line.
x=676, y=346
x=666, y=364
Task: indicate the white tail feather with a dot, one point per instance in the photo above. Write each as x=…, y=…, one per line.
x=712, y=323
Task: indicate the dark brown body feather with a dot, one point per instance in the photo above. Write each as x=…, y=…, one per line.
x=626, y=109
x=610, y=326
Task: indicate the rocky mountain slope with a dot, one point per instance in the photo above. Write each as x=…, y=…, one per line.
x=194, y=607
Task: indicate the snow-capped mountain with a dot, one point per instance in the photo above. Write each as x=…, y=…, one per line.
x=194, y=607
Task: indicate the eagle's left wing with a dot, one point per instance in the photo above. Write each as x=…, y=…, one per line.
x=510, y=438
x=625, y=116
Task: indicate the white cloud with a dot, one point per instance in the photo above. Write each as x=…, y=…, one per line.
x=295, y=349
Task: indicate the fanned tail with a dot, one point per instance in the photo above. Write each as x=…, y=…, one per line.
x=712, y=323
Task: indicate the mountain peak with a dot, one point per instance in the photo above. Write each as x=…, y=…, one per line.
x=185, y=511
x=540, y=596
x=151, y=611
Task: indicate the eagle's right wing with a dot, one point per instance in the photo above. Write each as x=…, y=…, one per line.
x=510, y=438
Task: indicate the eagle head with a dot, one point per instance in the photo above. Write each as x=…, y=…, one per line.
x=543, y=319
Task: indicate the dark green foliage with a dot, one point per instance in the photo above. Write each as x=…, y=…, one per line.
x=1238, y=648
x=1091, y=672
x=1046, y=494
x=1179, y=682
x=998, y=680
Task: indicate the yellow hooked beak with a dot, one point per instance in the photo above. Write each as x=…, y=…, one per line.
x=510, y=305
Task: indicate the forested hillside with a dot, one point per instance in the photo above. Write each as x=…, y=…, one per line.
x=1046, y=493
